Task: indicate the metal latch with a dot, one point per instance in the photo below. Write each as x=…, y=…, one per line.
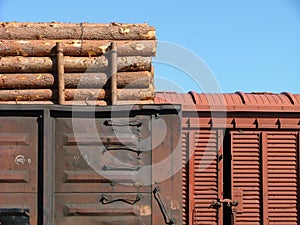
x=219, y=202
x=236, y=203
x=161, y=205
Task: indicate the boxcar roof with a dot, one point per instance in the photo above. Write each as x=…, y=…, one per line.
x=238, y=101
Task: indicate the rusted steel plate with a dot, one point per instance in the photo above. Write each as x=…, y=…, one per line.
x=282, y=177
x=205, y=181
x=246, y=175
x=246, y=102
x=21, y=202
x=166, y=169
x=18, y=154
x=185, y=177
x=99, y=208
x=264, y=170
x=103, y=154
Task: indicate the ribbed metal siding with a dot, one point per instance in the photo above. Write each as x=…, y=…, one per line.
x=205, y=177
x=184, y=176
x=245, y=148
x=282, y=178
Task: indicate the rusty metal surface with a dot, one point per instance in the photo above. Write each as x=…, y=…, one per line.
x=282, y=149
x=92, y=156
x=166, y=169
x=19, y=164
x=185, y=178
x=60, y=73
x=82, y=141
x=205, y=179
x=264, y=168
x=50, y=202
x=245, y=147
x=238, y=101
x=258, y=172
x=18, y=154
x=113, y=67
x=21, y=201
x=86, y=209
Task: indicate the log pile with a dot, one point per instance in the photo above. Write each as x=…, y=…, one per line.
x=82, y=64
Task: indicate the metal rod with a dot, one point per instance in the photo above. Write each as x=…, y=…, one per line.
x=60, y=72
x=113, y=71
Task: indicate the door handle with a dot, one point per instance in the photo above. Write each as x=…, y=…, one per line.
x=116, y=148
x=119, y=168
x=133, y=123
x=161, y=205
x=105, y=201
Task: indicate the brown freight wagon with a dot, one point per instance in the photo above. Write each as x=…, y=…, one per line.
x=243, y=157
x=64, y=165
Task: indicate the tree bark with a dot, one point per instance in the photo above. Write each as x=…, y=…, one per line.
x=75, y=94
x=21, y=64
x=75, y=47
x=131, y=80
x=113, y=31
x=134, y=102
x=82, y=102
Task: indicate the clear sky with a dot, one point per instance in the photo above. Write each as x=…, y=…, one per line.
x=249, y=45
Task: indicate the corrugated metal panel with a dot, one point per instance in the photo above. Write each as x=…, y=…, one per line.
x=184, y=176
x=245, y=147
x=205, y=176
x=258, y=101
x=282, y=178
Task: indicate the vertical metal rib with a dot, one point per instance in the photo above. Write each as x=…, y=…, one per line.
x=60, y=73
x=113, y=72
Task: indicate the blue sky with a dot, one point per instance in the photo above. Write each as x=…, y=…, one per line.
x=249, y=45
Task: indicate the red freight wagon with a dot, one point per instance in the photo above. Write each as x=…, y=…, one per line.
x=243, y=157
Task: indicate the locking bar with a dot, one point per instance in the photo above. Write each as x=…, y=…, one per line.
x=161, y=205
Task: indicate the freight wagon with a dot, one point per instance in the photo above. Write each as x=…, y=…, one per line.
x=209, y=159
x=239, y=160
x=242, y=154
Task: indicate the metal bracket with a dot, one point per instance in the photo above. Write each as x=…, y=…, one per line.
x=220, y=202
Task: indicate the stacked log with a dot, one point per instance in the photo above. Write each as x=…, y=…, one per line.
x=67, y=63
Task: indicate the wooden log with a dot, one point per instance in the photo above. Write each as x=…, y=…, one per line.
x=65, y=24
x=26, y=102
x=133, y=80
x=75, y=47
x=19, y=64
x=75, y=94
x=95, y=103
x=113, y=31
x=82, y=102
x=134, y=102
x=86, y=102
